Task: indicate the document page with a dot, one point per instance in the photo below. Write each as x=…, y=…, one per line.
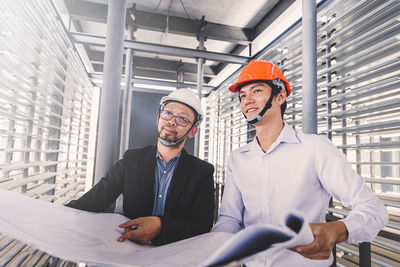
x=256, y=238
x=65, y=232
x=88, y=237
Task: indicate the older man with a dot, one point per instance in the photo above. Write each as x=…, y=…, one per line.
x=168, y=194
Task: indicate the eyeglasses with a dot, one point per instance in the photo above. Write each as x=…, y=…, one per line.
x=179, y=120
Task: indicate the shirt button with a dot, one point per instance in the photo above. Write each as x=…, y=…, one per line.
x=160, y=196
x=164, y=172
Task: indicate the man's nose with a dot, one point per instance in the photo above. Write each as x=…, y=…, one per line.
x=248, y=99
x=172, y=121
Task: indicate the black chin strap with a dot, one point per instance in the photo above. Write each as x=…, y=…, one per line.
x=258, y=117
x=177, y=142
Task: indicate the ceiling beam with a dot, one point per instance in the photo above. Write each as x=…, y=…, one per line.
x=170, y=65
x=161, y=49
x=97, y=57
x=187, y=77
x=171, y=84
x=83, y=10
x=189, y=27
x=148, y=90
x=99, y=76
x=157, y=74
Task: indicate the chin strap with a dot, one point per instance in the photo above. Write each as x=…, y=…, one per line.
x=258, y=117
x=177, y=142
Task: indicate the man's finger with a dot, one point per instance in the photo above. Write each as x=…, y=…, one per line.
x=316, y=256
x=121, y=238
x=307, y=248
x=126, y=224
x=128, y=234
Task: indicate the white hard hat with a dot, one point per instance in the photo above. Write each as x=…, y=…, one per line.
x=185, y=96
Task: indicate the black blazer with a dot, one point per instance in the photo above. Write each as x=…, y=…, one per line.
x=189, y=207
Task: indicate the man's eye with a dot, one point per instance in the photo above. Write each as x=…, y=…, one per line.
x=181, y=119
x=257, y=90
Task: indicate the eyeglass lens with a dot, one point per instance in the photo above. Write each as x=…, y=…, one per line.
x=179, y=120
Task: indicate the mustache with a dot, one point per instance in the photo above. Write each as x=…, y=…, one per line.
x=169, y=129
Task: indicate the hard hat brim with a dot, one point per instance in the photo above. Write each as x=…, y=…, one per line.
x=238, y=85
x=167, y=99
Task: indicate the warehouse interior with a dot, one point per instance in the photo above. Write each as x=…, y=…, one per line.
x=58, y=59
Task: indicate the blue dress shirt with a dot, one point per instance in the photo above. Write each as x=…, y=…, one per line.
x=163, y=175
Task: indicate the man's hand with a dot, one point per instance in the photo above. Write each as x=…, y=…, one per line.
x=326, y=235
x=147, y=229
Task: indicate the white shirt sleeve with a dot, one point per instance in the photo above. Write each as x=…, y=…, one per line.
x=231, y=212
x=368, y=215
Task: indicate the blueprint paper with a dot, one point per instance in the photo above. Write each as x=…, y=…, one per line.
x=256, y=238
x=88, y=237
x=65, y=232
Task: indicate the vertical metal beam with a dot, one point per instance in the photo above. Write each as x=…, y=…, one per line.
x=358, y=150
x=344, y=124
x=329, y=88
x=179, y=78
x=329, y=121
x=309, y=62
x=127, y=100
x=372, y=167
x=200, y=74
x=365, y=254
x=106, y=153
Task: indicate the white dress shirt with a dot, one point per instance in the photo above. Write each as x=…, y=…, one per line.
x=298, y=172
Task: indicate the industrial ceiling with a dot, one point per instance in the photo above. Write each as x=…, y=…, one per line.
x=166, y=36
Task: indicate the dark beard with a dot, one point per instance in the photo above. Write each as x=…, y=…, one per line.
x=168, y=137
x=165, y=139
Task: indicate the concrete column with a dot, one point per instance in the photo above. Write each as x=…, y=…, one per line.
x=200, y=74
x=309, y=61
x=127, y=102
x=107, y=150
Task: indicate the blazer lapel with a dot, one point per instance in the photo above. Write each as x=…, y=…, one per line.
x=179, y=179
x=148, y=165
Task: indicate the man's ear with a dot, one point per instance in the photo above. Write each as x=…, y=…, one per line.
x=281, y=96
x=193, y=132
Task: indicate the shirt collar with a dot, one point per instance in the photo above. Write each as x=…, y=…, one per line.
x=287, y=135
x=174, y=159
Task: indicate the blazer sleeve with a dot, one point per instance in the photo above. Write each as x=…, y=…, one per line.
x=104, y=193
x=201, y=216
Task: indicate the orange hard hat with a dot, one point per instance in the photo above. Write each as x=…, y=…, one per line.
x=260, y=70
